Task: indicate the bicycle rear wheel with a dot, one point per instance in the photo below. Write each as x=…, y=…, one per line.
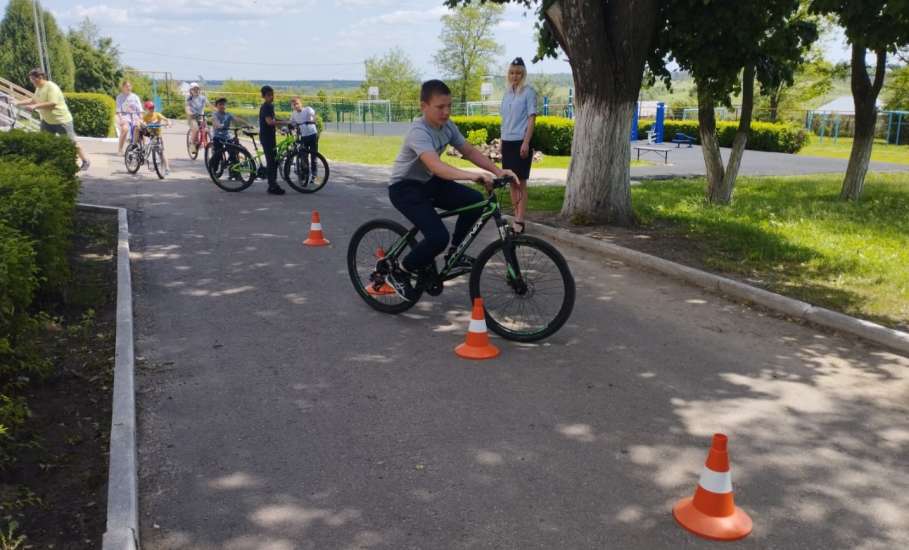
x=527, y=298
x=132, y=158
x=157, y=154
x=366, y=266
x=303, y=176
x=232, y=175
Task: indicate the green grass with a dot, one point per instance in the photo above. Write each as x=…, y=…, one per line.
x=882, y=151
x=791, y=234
x=382, y=150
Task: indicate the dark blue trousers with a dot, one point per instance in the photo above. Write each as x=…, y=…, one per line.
x=418, y=202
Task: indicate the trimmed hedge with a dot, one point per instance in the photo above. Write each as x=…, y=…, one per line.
x=93, y=114
x=51, y=152
x=36, y=202
x=765, y=136
x=552, y=135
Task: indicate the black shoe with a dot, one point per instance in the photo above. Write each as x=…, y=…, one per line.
x=276, y=190
x=464, y=263
x=400, y=282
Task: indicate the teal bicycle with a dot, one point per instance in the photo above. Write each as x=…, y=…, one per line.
x=527, y=288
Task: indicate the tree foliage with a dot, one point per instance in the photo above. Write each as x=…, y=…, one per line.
x=19, y=47
x=896, y=92
x=395, y=76
x=468, y=47
x=96, y=58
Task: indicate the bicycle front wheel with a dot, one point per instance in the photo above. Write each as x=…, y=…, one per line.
x=306, y=172
x=191, y=149
x=132, y=158
x=157, y=155
x=233, y=169
x=528, y=295
x=367, y=267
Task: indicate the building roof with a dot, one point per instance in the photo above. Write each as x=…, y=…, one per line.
x=843, y=105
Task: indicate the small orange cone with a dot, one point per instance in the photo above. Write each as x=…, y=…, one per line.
x=712, y=512
x=384, y=289
x=477, y=345
x=315, y=232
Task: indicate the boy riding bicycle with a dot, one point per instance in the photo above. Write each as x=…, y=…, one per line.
x=150, y=116
x=422, y=182
x=222, y=121
x=195, y=110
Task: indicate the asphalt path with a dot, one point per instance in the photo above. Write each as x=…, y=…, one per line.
x=277, y=411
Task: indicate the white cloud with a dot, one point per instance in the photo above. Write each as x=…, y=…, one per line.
x=100, y=13
x=408, y=17
x=207, y=10
x=507, y=24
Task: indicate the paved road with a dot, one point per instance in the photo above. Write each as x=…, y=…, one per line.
x=278, y=412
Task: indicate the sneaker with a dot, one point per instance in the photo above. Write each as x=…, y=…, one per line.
x=399, y=280
x=276, y=190
x=167, y=171
x=85, y=165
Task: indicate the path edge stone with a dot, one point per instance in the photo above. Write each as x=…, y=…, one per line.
x=122, y=531
x=879, y=334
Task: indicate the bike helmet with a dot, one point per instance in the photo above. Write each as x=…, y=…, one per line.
x=149, y=105
x=194, y=85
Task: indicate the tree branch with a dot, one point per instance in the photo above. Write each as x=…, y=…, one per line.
x=879, y=71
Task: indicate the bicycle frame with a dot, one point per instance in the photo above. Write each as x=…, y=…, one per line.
x=491, y=210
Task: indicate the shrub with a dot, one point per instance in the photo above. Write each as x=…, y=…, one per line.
x=36, y=202
x=765, y=136
x=478, y=137
x=50, y=152
x=552, y=135
x=93, y=114
x=17, y=282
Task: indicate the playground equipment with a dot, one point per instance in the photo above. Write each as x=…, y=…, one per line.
x=891, y=126
x=656, y=132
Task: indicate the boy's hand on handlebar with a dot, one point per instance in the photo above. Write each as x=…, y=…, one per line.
x=484, y=178
x=508, y=174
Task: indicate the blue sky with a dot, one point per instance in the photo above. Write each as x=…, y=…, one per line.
x=288, y=39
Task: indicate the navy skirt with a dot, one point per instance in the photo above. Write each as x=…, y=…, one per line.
x=511, y=159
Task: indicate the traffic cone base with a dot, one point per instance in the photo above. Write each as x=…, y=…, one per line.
x=477, y=345
x=734, y=527
x=315, y=232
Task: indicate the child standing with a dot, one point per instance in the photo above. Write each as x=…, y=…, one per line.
x=267, y=125
x=153, y=117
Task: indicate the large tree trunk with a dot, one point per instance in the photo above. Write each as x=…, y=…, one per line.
x=607, y=44
x=864, y=94
x=710, y=145
x=720, y=180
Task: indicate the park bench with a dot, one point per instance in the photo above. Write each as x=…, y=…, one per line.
x=681, y=138
x=659, y=150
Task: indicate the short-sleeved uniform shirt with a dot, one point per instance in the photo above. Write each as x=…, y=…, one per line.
x=516, y=111
x=420, y=139
x=224, y=121
x=266, y=132
x=59, y=113
x=196, y=104
x=306, y=118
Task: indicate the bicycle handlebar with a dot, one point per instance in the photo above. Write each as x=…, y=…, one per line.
x=501, y=182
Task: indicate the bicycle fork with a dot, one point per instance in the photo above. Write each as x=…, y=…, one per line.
x=514, y=278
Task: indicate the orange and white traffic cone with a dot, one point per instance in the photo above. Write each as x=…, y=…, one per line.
x=385, y=288
x=315, y=232
x=711, y=513
x=477, y=345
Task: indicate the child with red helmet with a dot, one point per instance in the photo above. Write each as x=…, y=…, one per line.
x=150, y=116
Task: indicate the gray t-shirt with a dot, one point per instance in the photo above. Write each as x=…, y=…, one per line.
x=196, y=104
x=420, y=139
x=516, y=111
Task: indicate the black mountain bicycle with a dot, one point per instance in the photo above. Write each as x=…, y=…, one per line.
x=526, y=285
x=304, y=169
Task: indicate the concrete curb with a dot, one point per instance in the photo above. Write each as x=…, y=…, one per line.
x=122, y=482
x=874, y=332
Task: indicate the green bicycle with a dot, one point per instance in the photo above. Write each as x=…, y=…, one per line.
x=241, y=168
x=527, y=288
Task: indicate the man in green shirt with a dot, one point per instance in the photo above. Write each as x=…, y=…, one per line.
x=51, y=107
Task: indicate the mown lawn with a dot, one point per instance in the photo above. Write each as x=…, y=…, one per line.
x=790, y=234
x=882, y=151
x=382, y=150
